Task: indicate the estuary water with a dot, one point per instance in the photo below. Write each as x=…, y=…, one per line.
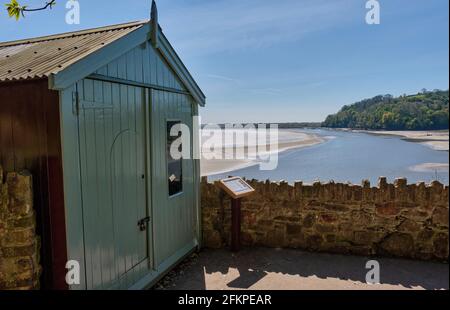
x=353, y=157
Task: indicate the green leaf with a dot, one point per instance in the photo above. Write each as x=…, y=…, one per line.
x=14, y=9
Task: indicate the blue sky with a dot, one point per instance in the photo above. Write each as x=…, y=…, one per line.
x=283, y=60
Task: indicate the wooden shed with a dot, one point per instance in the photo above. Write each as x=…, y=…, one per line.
x=88, y=114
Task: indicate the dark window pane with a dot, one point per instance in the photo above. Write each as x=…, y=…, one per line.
x=175, y=170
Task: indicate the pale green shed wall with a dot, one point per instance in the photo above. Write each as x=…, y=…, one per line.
x=173, y=230
x=142, y=64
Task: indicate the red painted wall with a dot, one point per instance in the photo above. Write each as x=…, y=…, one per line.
x=30, y=139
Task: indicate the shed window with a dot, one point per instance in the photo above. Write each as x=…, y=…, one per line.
x=175, y=168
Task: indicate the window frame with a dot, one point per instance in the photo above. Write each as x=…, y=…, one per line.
x=181, y=192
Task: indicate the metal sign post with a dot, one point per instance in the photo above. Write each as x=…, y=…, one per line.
x=236, y=188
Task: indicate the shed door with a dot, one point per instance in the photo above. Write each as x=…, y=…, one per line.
x=113, y=175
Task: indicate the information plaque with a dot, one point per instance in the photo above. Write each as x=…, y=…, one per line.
x=236, y=187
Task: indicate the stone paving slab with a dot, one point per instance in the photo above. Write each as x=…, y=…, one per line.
x=272, y=269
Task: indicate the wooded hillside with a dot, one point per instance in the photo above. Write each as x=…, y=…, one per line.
x=424, y=111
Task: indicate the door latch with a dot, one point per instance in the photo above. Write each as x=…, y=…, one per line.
x=143, y=223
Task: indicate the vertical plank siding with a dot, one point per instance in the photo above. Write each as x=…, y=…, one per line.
x=144, y=65
x=112, y=138
x=30, y=139
x=115, y=173
x=174, y=217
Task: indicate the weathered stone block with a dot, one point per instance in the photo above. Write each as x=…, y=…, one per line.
x=410, y=226
x=28, y=221
x=309, y=220
x=416, y=215
x=337, y=207
x=276, y=237
x=19, y=237
x=382, y=183
x=357, y=193
x=365, y=237
x=328, y=218
x=330, y=238
x=387, y=209
x=361, y=218
x=440, y=244
x=314, y=241
x=324, y=229
x=247, y=239
x=361, y=250
x=293, y=229
x=337, y=247
x=265, y=224
x=440, y=217
x=20, y=193
x=425, y=235
x=19, y=245
x=212, y=239
x=397, y=244
x=18, y=251
x=248, y=218
x=284, y=219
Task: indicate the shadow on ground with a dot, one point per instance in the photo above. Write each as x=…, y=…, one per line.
x=261, y=268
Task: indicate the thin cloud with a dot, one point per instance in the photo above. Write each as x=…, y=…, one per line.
x=267, y=91
x=227, y=26
x=221, y=77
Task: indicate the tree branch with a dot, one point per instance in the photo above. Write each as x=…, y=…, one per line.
x=16, y=10
x=48, y=4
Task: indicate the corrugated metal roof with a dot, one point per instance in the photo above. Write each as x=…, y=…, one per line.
x=40, y=57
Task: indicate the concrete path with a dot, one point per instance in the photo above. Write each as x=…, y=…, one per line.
x=272, y=269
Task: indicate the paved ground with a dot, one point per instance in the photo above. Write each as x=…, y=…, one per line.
x=271, y=269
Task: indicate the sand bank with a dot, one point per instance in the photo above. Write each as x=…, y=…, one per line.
x=288, y=139
x=437, y=140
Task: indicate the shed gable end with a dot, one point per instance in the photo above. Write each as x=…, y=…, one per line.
x=142, y=65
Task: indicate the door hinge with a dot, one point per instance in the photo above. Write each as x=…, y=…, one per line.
x=75, y=103
x=143, y=223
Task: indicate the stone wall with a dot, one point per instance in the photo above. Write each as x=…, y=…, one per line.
x=19, y=245
x=397, y=220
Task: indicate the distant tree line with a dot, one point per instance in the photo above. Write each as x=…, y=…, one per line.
x=299, y=125
x=281, y=125
x=428, y=110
